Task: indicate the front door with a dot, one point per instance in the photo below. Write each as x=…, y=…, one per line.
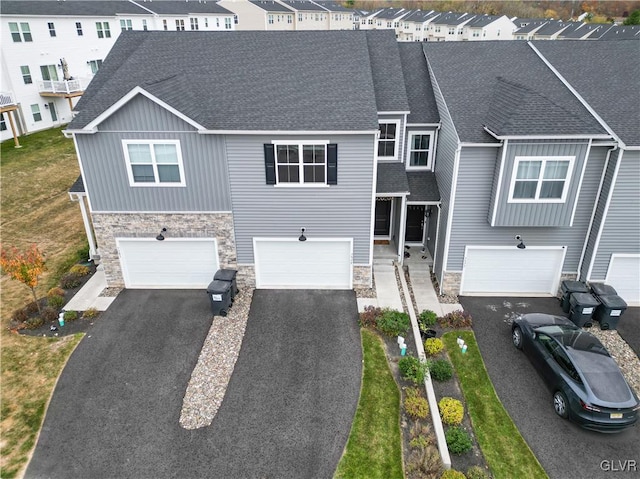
x=415, y=224
x=383, y=217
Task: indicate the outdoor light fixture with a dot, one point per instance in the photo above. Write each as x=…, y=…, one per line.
x=521, y=244
x=302, y=236
x=160, y=237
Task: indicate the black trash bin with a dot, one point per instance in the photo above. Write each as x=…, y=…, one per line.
x=219, y=293
x=601, y=289
x=569, y=287
x=582, y=308
x=611, y=308
x=228, y=275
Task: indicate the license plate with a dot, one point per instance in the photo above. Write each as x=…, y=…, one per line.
x=616, y=415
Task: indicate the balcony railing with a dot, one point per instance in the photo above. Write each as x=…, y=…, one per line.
x=6, y=99
x=61, y=87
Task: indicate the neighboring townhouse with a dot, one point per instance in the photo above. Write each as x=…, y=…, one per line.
x=385, y=19
x=526, y=28
x=260, y=14
x=584, y=31
x=414, y=26
x=488, y=27
x=551, y=30
x=340, y=18
x=621, y=32
x=50, y=50
x=308, y=15
x=448, y=27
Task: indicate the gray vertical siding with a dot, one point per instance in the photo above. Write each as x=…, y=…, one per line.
x=621, y=233
x=538, y=214
x=261, y=210
x=473, y=195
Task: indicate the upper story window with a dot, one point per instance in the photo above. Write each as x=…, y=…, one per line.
x=165, y=26
x=235, y=19
x=144, y=25
x=227, y=23
x=289, y=20
x=194, y=23
x=180, y=24
x=126, y=24
x=154, y=163
x=103, y=29
x=420, y=149
x=94, y=65
x=20, y=32
x=301, y=163
x=270, y=19
x=206, y=23
x=35, y=111
x=437, y=29
x=79, y=28
x=537, y=179
x=52, y=29
x=218, y=22
x=389, y=139
x=26, y=74
x=452, y=31
x=49, y=72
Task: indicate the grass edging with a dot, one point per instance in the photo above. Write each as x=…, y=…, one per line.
x=374, y=447
x=505, y=450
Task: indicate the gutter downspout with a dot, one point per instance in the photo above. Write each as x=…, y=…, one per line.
x=452, y=196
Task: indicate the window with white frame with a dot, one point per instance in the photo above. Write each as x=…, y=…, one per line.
x=452, y=30
x=103, y=29
x=3, y=123
x=52, y=29
x=79, y=28
x=388, y=139
x=154, y=162
x=194, y=23
x=270, y=19
x=437, y=29
x=126, y=24
x=94, y=65
x=218, y=22
x=206, y=22
x=419, y=149
x=20, y=32
x=537, y=179
x=180, y=24
x=144, y=25
x=49, y=72
x=289, y=19
x=165, y=26
x=35, y=111
x=227, y=23
x=235, y=19
x=26, y=74
x=301, y=163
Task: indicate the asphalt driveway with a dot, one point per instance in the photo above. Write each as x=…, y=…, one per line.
x=565, y=450
x=287, y=411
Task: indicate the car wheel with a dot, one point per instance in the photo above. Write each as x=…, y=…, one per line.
x=516, y=337
x=560, y=404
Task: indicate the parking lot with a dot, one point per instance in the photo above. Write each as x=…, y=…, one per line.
x=565, y=450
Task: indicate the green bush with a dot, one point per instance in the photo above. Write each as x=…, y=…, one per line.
x=79, y=269
x=412, y=369
x=35, y=322
x=369, y=316
x=456, y=319
x=55, y=292
x=458, y=440
x=419, y=442
x=19, y=315
x=441, y=370
x=433, y=346
x=392, y=322
x=476, y=472
x=70, y=315
x=49, y=314
x=452, y=474
x=426, y=319
x=70, y=281
x=55, y=301
x=451, y=411
x=90, y=313
x=416, y=407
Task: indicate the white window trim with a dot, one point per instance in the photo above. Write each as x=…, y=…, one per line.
x=156, y=183
x=396, y=148
x=410, y=135
x=300, y=145
x=543, y=159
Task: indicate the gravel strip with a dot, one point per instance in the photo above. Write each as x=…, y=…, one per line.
x=211, y=375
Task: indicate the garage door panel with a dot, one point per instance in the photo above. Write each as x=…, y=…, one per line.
x=624, y=276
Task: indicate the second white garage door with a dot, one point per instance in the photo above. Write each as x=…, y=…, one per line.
x=311, y=264
x=180, y=263
x=511, y=271
x=624, y=276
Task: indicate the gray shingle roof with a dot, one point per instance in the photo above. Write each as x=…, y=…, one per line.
x=77, y=8
x=552, y=28
x=585, y=30
x=303, y=5
x=391, y=13
x=469, y=91
x=333, y=6
x=529, y=27
x=392, y=178
x=253, y=80
x=482, y=21
x=613, y=96
x=176, y=7
x=622, y=32
x=423, y=186
x=271, y=6
x=77, y=186
x=451, y=19
x=420, y=16
x=422, y=103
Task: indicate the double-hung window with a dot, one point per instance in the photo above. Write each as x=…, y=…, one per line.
x=420, y=149
x=20, y=32
x=537, y=179
x=52, y=29
x=79, y=28
x=301, y=163
x=49, y=72
x=227, y=23
x=194, y=23
x=103, y=29
x=94, y=65
x=35, y=112
x=180, y=24
x=388, y=139
x=26, y=74
x=154, y=163
x=126, y=24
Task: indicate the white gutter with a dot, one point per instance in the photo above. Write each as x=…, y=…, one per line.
x=499, y=185
x=452, y=200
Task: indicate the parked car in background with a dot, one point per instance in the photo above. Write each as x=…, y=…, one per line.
x=587, y=384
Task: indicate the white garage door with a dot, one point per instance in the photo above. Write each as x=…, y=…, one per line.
x=624, y=276
x=179, y=263
x=315, y=263
x=511, y=271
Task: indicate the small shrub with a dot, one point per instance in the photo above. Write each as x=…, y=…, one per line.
x=458, y=440
x=452, y=474
x=419, y=442
x=31, y=308
x=368, y=316
x=412, y=369
x=79, y=269
x=19, y=316
x=392, y=322
x=426, y=319
x=451, y=411
x=90, y=313
x=476, y=472
x=49, y=314
x=441, y=370
x=433, y=346
x=455, y=320
x=55, y=301
x=70, y=281
x=55, y=292
x=424, y=462
x=419, y=428
x=35, y=322
x=416, y=407
x=70, y=315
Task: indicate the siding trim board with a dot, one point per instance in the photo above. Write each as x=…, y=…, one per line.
x=584, y=168
x=496, y=201
x=452, y=200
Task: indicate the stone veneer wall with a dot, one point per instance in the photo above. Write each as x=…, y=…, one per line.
x=109, y=226
x=565, y=277
x=362, y=277
x=451, y=283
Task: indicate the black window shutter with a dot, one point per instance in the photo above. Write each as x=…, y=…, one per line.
x=332, y=164
x=270, y=163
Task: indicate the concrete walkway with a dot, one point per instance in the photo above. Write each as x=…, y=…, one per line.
x=89, y=295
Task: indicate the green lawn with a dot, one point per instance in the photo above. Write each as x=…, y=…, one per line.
x=374, y=449
x=506, y=452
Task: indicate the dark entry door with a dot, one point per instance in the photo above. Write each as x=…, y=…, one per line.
x=383, y=217
x=415, y=223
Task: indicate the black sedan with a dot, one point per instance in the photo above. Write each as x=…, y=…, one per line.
x=587, y=384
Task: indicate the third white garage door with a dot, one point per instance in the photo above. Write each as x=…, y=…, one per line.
x=311, y=264
x=509, y=271
x=624, y=276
